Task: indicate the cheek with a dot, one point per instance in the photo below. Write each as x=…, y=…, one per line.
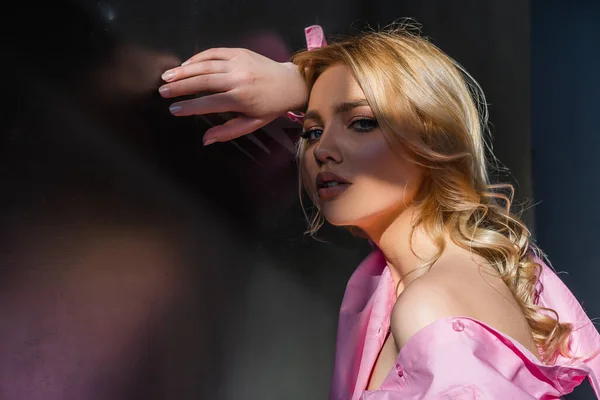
x=372, y=152
x=387, y=172
x=378, y=161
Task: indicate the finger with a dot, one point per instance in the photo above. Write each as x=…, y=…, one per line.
x=199, y=68
x=216, y=53
x=197, y=84
x=211, y=104
x=234, y=128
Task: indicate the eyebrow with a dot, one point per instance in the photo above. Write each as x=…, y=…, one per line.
x=338, y=109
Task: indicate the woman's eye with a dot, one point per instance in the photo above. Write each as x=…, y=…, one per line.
x=311, y=135
x=364, y=124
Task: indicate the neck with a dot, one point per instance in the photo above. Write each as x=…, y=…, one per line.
x=404, y=250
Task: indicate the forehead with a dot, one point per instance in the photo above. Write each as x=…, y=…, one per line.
x=333, y=86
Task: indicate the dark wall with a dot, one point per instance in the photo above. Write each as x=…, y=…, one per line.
x=136, y=263
x=566, y=143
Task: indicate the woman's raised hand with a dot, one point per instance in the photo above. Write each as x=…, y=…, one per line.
x=255, y=87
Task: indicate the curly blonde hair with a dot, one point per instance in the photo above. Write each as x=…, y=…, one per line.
x=414, y=87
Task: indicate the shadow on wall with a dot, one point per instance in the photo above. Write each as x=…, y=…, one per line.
x=129, y=269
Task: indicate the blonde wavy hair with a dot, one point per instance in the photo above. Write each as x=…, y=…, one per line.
x=428, y=104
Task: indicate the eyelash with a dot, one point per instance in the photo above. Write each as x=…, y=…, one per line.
x=307, y=133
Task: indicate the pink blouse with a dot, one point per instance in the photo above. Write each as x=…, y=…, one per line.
x=457, y=357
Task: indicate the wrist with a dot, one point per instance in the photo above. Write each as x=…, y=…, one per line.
x=297, y=90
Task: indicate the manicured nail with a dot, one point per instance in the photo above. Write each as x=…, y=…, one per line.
x=164, y=90
x=167, y=76
x=175, y=109
x=209, y=141
x=185, y=63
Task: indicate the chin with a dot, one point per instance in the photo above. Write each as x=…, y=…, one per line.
x=336, y=219
x=350, y=227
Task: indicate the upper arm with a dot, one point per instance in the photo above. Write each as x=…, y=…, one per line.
x=423, y=302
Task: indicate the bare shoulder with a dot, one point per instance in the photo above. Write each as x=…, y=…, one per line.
x=423, y=302
x=458, y=289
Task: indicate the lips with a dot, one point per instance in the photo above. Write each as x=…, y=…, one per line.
x=330, y=185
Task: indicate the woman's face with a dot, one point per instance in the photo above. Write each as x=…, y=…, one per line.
x=348, y=167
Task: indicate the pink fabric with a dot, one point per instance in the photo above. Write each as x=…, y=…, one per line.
x=457, y=357
x=315, y=38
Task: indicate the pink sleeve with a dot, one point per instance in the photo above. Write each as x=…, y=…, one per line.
x=458, y=374
x=471, y=392
x=585, y=339
x=460, y=359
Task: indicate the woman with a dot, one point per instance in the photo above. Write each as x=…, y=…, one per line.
x=453, y=302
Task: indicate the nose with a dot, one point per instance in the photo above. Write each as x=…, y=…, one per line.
x=327, y=150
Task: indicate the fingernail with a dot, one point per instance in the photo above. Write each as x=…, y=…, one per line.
x=209, y=141
x=175, y=109
x=164, y=90
x=185, y=63
x=167, y=76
